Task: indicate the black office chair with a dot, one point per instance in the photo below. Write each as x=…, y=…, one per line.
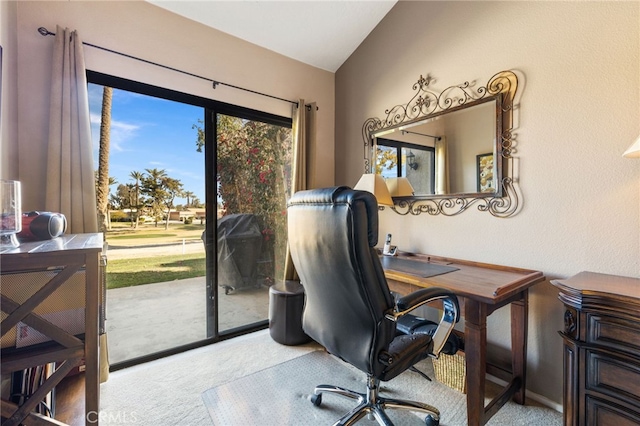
x=349, y=309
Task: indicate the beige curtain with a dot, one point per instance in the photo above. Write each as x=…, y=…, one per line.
x=304, y=134
x=70, y=174
x=442, y=167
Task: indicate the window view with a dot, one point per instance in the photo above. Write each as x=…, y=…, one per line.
x=156, y=218
x=400, y=159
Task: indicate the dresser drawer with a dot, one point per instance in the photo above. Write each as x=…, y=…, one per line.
x=602, y=349
x=612, y=375
x=604, y=413
x=613, y=332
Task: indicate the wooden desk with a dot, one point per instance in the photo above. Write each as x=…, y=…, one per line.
x=482, y=288
x=67, y=254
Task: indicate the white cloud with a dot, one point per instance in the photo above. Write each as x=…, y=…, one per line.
x=121, y=132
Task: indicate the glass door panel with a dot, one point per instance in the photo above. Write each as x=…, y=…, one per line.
x=253, y=178
x=156, y=288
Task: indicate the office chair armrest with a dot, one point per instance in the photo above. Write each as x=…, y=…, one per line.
x=450, y=314
x=423, y=296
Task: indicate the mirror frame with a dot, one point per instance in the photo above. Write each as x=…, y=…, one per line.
x=425, y=104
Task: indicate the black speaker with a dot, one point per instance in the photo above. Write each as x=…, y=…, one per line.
x=42, y=225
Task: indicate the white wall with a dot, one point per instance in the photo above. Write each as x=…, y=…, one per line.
x=149, y=32
x=579, y=109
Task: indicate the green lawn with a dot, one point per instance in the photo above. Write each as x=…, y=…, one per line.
x=146, y=270
x=122, y=235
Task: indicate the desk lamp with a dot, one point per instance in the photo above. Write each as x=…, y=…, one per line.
x=400, y=187
x=375, y=184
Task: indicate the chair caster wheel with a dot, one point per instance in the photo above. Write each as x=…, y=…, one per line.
x=316, y=400
x=431, y=421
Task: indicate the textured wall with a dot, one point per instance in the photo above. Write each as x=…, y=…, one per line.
x=579, y=110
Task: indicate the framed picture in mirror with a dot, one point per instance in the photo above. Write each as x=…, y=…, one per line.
x=486, y=181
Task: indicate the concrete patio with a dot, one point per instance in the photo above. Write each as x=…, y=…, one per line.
x=149, y=318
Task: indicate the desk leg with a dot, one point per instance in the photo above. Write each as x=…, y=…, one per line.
x=92, y=374
x=475, y=355
x=519, y=327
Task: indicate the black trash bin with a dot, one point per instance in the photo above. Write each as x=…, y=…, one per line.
x=286, y=302
x=239, y=249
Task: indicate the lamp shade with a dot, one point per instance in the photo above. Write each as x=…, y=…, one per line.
x=399, y=187
x=375, y=184
x=634, y=150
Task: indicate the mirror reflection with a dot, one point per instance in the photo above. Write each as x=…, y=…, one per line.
x=454, y=152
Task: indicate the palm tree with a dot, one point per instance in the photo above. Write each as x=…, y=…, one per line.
x=152, y=186
x=188, y=195
x=102, y=195
x=137, y=176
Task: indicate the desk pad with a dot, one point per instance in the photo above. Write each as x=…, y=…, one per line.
x=415, y=267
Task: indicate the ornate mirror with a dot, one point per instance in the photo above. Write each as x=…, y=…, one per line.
x=454, y=148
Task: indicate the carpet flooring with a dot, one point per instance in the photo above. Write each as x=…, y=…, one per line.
x=280, y=395
x=171, y=391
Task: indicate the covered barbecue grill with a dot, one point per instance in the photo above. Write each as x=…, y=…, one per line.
x=239, y=248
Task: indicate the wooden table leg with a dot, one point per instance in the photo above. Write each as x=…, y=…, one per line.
x=519, y=327
x=475, y=355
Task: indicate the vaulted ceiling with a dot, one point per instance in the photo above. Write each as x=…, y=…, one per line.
x=319, y=33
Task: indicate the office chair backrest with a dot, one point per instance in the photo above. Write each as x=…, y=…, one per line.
x=332, y=237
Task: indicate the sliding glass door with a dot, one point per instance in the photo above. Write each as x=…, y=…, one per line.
x=196, y=216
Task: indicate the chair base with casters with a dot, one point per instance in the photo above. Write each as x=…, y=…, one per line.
x=372, y=403
x=403, y=353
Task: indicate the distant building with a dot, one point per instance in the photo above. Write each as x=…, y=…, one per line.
x=192, y=212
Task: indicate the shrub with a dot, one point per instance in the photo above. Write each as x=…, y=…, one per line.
x=118, y=216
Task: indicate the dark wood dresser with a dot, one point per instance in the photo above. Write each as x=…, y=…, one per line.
x=601, y=349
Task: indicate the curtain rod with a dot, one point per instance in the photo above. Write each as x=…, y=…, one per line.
x=45, y=32
x=421, y=134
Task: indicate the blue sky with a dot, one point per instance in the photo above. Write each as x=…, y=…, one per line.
x=148, y=133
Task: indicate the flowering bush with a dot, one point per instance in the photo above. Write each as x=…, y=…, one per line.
x=254, y=176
